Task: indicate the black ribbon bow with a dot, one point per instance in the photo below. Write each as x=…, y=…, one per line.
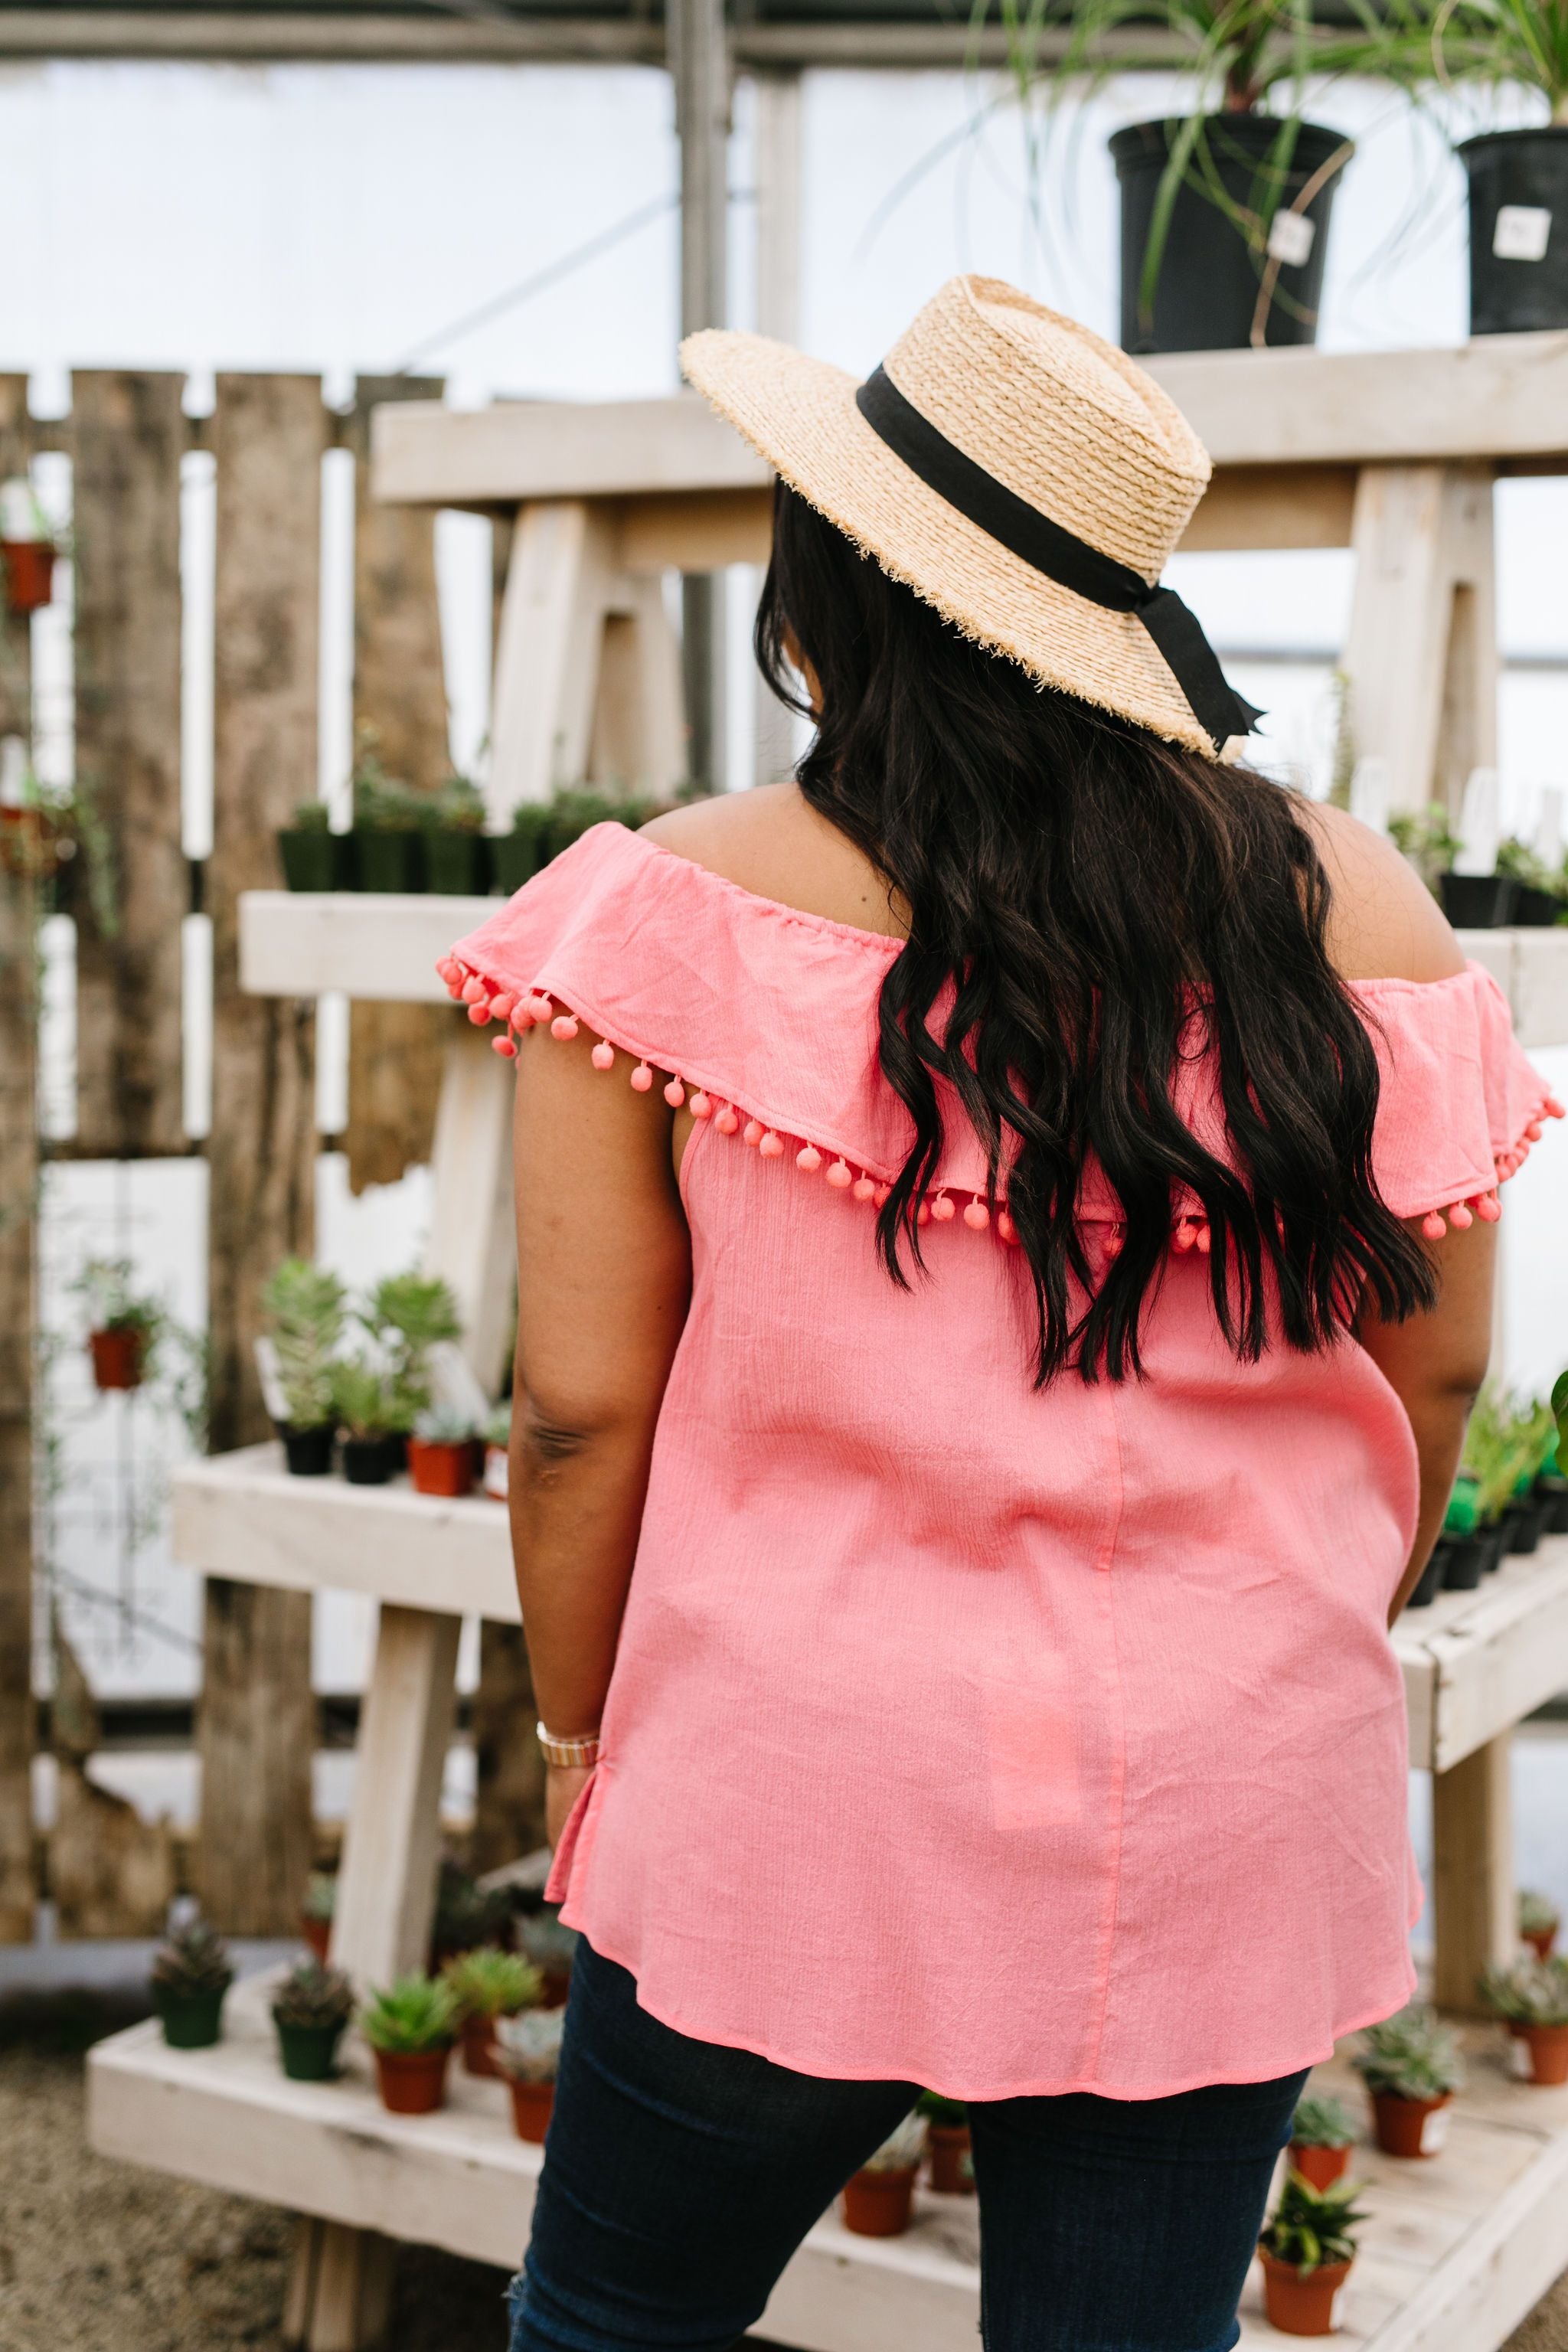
x=944, y=467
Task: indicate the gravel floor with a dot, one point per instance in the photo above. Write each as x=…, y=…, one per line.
x=97, y=2257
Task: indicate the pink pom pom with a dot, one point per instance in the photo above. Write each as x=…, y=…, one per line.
x=754, y=1132
x=1460, y=1218
x=446, y=966
x=770, y=1146
x=472, y=990
x=1555, y=1109
x=977, y=1216
x=1534, y=1131
x=507, y=1045
x=1433, y=1226
x=1006, y=1227
x=455, y=989
x=563, y=1026
x=943, y=1209
x=501, y=1005
x=1115, y=1241
x=1488, y=1208
x=642, y=1078
x=1184, y=1236
x=880, y=1195
x=602, y=1056
x=675, y=1094
x=479, y=1012
x=808, y=1160
x=540, y=1008
x=922, y=1214
x=863, y=1187
x=727, y=1121
x=1203, y=1240
x=701, y=1107
x=838, y=1176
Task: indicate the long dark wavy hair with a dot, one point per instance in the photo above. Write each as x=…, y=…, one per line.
x=1075, y=886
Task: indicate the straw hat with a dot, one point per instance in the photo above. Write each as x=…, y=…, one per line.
x=1002, y=452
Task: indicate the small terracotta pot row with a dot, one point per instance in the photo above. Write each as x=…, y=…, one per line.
x=880, y=2204
x=413, y=2082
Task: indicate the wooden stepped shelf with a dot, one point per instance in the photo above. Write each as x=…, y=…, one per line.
x=1455, y=2252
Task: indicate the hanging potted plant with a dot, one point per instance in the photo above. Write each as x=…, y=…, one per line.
x=190, y=1977
x=948, y=2142
x=318, y=1910
x=313, y=857
x=123, y=1328
x=457, y=850
x=411, y=2027
x=880, y=2198
x=488, y=1984
x=552, y=1947
x=1322, y=2132
x=27, y=549
x=441, y=1453
x=1532, y=1999
x=303, y=1309
x=1539, y=1920
x=1307, y=2250
x=528, y=2053
x=313, y=2005
x=1411, y=2068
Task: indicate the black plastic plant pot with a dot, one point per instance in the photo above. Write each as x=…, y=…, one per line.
x=515, y=858
x=1537, y=909
x=1552, y=1495
x=1463, y=1567
x=308, y=1452
x=311, y=860
x=1210, y=280
x=388, y=860
x=1430, y=1582
x=456, y=865
x=370, y=1461
x=190, y=2020
x=1518, y=229
x=1524, y=1525
x=1492, y=1541
x=308, y=2053
x=1478, y=902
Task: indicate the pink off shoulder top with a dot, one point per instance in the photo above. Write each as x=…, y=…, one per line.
x=998, y=1740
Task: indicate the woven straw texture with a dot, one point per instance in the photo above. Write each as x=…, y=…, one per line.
x=1064, y=419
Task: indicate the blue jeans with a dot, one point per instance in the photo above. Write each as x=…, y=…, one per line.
x=679, y=2177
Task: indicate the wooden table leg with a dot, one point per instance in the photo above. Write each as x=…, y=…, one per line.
x=1472, y=1877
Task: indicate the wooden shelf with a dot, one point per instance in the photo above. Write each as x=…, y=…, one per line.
x=1530, y=966
x=1455, y=2252
x=1475, y=1663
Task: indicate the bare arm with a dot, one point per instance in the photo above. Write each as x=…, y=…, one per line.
x=604, y=1279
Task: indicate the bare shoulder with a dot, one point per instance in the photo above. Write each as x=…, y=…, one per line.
x=771, y=841
x=1384, y=923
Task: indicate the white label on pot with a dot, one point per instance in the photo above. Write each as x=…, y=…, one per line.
x=1336, y=2310
x=495, y=1481
x=267, y=1372
x=1291, y=236
x=1521, y=2058
x=1521, y=231
x=1435, y=2131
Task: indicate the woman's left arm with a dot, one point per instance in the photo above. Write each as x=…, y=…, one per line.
x=603, y=1281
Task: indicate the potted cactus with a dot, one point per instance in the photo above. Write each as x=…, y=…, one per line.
x=365, y=1406
x=303, y=1305
x=318, y=1911
x=1411, y=2067
x=879, y=2198
x=467, y=1915
x=528, y=2053
x=387, y=837
x=551, y=1948
x=1307, y=2249
x=1539, y=1919
x=441, y=1453
x=1532, y=1999
x=123, y=1328
x=947, y=2139
x=1322, y=2132
x=457, y=852
x=488, y=1984
x=191, y=1975
x=314, y=857
x=411, y=2025
x=313, y=2005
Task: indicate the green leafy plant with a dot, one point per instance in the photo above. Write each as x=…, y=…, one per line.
x=948, y=2114
x=413, y=2012
x=1310, y=2227
x=1503, y=1445
x=1495, y=44
x=303, y=1306
x=467, y=1915
x=1529, y=1992
x=1560, y=1414
x=1322, y=2123
x=320, y=1896
x=194, y=1962
x=1537, y=1914
x=491, y=1983
x=443, y=1425
x=1523, y=865
x=104, y=1286
x=406, y=1315
x=458, y=806
x=313, y=1995
x=1427, y=841
x=311, y=816
x=903, y=2148
x=364, y=1401
x=1410, y=2057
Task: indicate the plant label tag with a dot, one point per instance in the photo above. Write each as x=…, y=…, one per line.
x=268, y=1374
x=1434, y=2132
x=496, y=1467
x=1521, y=231
x=1290, y=239
x=1337, y=2311
x=1521, y=2058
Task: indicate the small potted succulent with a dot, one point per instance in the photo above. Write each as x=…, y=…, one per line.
x=318, y=1911
x=878, y=2199
x=1474, y=902
x=947, y=2139
x=551, y=1948
x=406, y=1315
x=441, y=1452
x=497, y=1435
x=313, y=856
x=467, y=1915
x=302, y=1305
x=313, y=2005
x=1322, y=2132
x=1541, y=900
x=488, y=1984
x=123, y=1328
x=528, y=2053
x=457, y=852
x=190, y=1974
x=1307, y=2249
x=516, y=856
x=1427, y=841
x=411, y=2026
x=1461, y=1546
x=365, y=1406
x=1411, y=2067
x=27, y=549
x=1539, y=1920
x=388, y=824
x=1532, y=1999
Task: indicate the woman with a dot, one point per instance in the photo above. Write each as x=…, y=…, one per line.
x=983, y=1388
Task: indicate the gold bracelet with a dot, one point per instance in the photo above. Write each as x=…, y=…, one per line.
x=571, y=1754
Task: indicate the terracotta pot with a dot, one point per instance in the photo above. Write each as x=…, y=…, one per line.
x=1322, y=2166
x=29, y=565
x=1539, y=2053
x=531, y=2104
x=318, y=1935
x=878, y=2204
x=441, y=1469
x=1410, y=2126
x=557, y=1985
x=30, y=846
x=1542, y=1941
x=412, y=2082
x=949, y=2174
x=1304, y=2305
x=117, y=1356
x=480, y=2046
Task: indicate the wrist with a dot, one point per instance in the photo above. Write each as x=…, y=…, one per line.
x=577, y=1752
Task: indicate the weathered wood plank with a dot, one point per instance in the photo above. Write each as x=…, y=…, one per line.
x=521, y=450
x=1472, y=1874
x=509, y=1805
x=395, y=1050
x=386, y=1889
x=256, y=1727
x=127, y=435
x=381, y=948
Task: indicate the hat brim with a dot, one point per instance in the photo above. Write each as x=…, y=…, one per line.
x=799, y=414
